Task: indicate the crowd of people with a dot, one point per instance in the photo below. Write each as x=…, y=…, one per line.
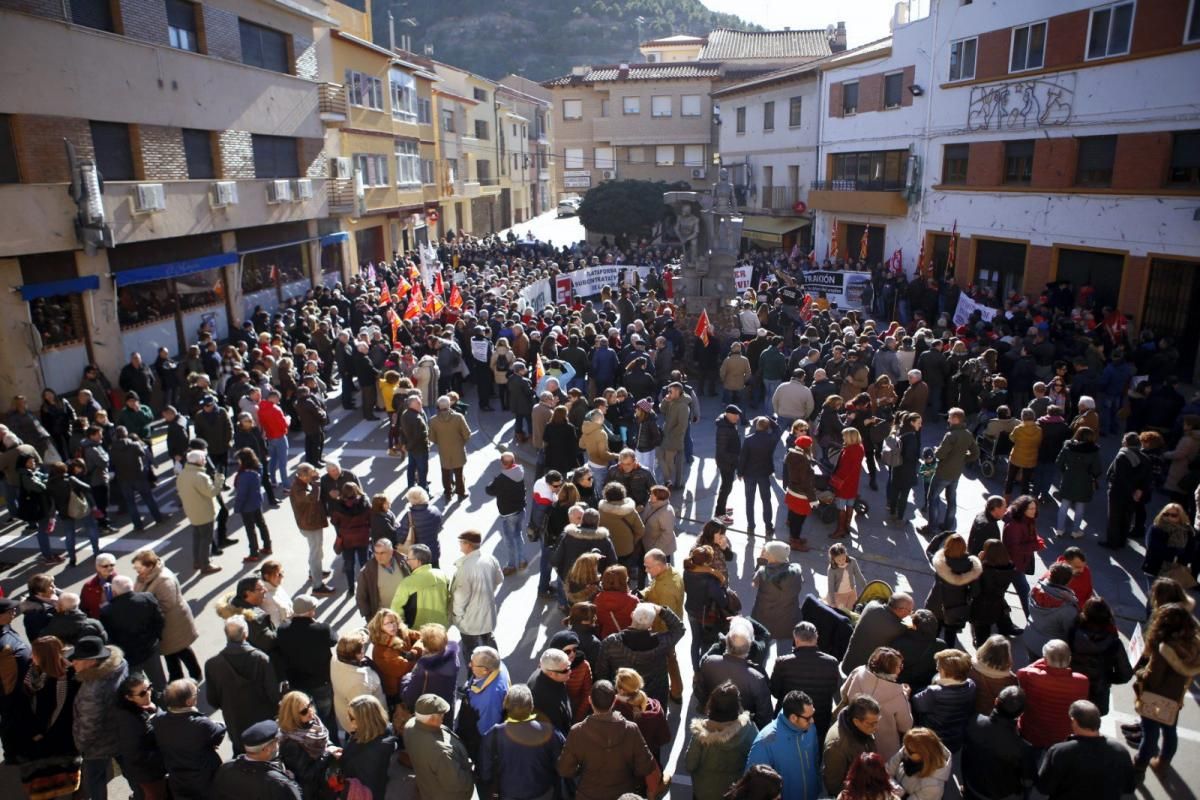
x=859, y=692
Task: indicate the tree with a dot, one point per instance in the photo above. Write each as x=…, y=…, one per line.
x=629, y=207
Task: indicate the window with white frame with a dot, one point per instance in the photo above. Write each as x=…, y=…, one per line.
x=365, y=91
x=604, y=158
x=637, y=155
x=962, y=59
x=1028, y=47
x=408, y=162
x=573, y=158
x=660, y=106
x=427, y=171
x=689, y=105
x=893, y=89
x=572, y=109
x=1110, y=30
x=404, y=95
x=1192, y=32
x=374, y=168
x=664, y=155
x=631, y=105
x=693, y=155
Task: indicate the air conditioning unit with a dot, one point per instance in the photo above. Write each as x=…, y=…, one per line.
x=150, y=198
x=698, y=172
x=608, y=174
x=303, y=190
x=279, y=192
x=224, y=194
x=341, y=167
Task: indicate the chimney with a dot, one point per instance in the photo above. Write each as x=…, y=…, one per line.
x=838, y=43
x=580, y=71
x=623, y=70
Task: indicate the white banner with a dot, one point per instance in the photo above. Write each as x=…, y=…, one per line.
x=966, y=307
x=843, y=289
x=742, y=277
x=536, y=295
x=588, y=281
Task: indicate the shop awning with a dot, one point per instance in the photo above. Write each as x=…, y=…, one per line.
x=174, y=269
x=334, y=238
x=770, y=229
x=34, y=291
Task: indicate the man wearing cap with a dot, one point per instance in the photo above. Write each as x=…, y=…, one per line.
x=728, y=453
x=677, y=414
x=304, y=645
x=477, y=576
x=440, y=761
x=424, y=595
x=735, y=373
x=212, y=424
x=100, y=671
x=520, y=400
x=256, y=773
x=367, y=375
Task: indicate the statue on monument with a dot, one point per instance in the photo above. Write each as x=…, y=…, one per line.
x=687, y=228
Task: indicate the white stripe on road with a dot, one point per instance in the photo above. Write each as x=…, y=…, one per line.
x=361, y=431
x=123, y=544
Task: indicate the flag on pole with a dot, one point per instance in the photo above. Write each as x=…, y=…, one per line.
x=414, y=309
x=921, y=260
x=403, y=288
x=539, y=371
x=274, y=274
x=438, y=288
x=456, y=301
x=896, y=262
x=370, y=272
x=417, y=297
x=703, y=327
x=385, y=296
x=833, y=242
x=862, y=243
x=953, y=253
x=414, y=274
x=395, y=319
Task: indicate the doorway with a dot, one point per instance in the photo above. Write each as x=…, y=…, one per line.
x=1102, y=271
x=1172, y=292
x=875, y=238
x=1000, y=266
x=369, y=242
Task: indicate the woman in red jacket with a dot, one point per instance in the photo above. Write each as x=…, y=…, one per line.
x=1022, y=541
x=614, y=603
x=351, y=518
x=844, y=480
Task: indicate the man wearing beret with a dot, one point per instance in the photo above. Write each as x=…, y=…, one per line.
x=443, y=768
x=256, y=773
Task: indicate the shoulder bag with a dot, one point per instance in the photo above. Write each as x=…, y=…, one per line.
x=1157, y=708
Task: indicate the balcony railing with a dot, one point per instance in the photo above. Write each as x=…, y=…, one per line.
x=341, y=195
x=879, y=185
x=331, y=99
x=769, y=198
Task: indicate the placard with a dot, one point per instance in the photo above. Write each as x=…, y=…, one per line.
x=966, y=307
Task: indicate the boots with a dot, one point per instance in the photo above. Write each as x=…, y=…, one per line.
x=843, y=524
x=800, y=545
x=849, y=519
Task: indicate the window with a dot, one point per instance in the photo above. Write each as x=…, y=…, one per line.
x=114, y=156
x=637, y=155
x=481, y=129
x=1192, y=32
x=1095, y=164
x=365, y=91
x=1110, y=30
x=427, y=171
x=404, y=95
x=849, y=98
x=954, y=163
x=893, y=86
x=1018, y=162
x=768, y=178
x=689, y=105
x=693, y=155
x=769, y=115
x=452, y=169
x=741, y=119
x=93, y=14
x=181, y=25
x=572, y=109
x=604, y=158
x=631, y=105
x=1185, y=158
x=448, y=120
x=424, y=111
x=263, y=47
x=8, y=153
x=408, y=162
x=660, y=106
x=479, y=94
x=664, y=155
x=275, y=157
x=1028, y=47
x=483, y=171
x=604, y=108
x=962, y=60
x=880, y=170
x=374, y=168
x=573, y=158
x=794, y=105
x=197, y=147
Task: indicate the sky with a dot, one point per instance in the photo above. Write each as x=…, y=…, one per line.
x=866, y=20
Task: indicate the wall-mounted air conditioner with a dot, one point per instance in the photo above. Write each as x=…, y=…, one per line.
x=150, y=198
x=224, y=193
x=698, y=172
x=279, y=192
x=608, y=174
x=303, y=190
x=341, y=167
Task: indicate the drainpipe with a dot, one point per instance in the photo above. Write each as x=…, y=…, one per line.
x=933, y=11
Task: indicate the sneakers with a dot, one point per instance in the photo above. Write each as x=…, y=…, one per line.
x=727, y=517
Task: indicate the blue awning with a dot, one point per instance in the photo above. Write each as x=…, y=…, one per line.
x=33, y=291
x=174, y=269
x=335, y=238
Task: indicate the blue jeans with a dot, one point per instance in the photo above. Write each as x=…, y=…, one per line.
x=769, y=388
x=512, y=539
x=418, y=469
x=71, y=526
x=944, y=510
x=43, y=536
x=353, y=560
x=1043, y=477
x=523, y=424
x=1078, y=506
x=1021, y=584
x=140, y=487
x=277, y=459
x=1148, y=749
x=763, y=484
x=730, y=396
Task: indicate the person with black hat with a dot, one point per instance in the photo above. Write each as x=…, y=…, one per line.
x=100, y=670
x=729, y=450
x=440, y=760
x=256, y=773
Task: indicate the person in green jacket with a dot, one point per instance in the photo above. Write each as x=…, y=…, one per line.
x=423, y=596
x=772, y=368
x=440, y=761
x=135, y=417
x=720, y=743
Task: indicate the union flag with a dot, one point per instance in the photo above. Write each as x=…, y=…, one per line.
x=703, y=327
x=456, y=300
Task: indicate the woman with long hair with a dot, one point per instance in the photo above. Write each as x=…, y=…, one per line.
x=370, y=745
x=179, y=626
x=992, y=671
x=860, y=415
x=760, y=782
x=394, y=649
x=44, y=707
x=1021, y=540
x=642, y=710
x=956, y=574
x=844, y=480
x=878, y=679
x=583, y=581
x=829, y=426
x=1097, y=651
x=867, y=779
x=1170, y=664
x=582, y=621
x=248, y=501
x=351, y=673
x=922, y=766
x=902, y=478
x=561, y=442
x=304, y=746
x=1169, y=538
x=989, y=604
x=706, y=598
x=720, y=742
x=713, y=535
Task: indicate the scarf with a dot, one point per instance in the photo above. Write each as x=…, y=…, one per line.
x=1177, y=534
x=313, y=739
x=486, y=682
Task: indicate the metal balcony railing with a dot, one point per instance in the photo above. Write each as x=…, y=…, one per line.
x=873, y=185
x=341, y=195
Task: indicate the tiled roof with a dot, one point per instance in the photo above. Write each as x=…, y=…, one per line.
x=725, y=43
x=639, y=72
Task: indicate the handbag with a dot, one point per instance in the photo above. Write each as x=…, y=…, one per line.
x=1178, y=573
x=1157, y=708
x=77, y=506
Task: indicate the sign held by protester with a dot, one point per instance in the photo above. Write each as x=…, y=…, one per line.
x=966, y=307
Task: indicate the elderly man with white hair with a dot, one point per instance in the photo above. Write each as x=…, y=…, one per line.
x=414, y=432
x=916, y=393
x=640, y=648
x=734, y=666
x=548, y=684
x=134, y=621
x=240, y=682
x=198, y=496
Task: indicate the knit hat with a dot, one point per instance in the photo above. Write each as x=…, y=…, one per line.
x=644, y=405
x=804, y=442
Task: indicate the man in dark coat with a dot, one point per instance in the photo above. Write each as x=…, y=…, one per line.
x=934, y=367
x=1087, y=765
x=756, y=466
x=305, y=648
x=137, y=377
x=808, y=670
x=549, y=688
x=987, y=524
x=188, y=741
x=15, y=658
x=641, y=649
x=134, y=622
x=256, y=773
x=734, y=666
x=240, y=682
x=212, y=424
x=70, y=624
x=728, y=455
x=996, y=762
x=367, y=375
x=879, y=625
x=313, y=419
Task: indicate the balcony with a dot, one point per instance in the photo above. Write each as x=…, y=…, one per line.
x=770, y=199
x=341, y=196
x=884, y=198
x=331, y=103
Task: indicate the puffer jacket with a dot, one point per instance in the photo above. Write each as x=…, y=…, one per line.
x=1052, y=612
x=777, y=597
x=643, y=651
x=426, y=523
x=659, y=523
x=946, y=707
x=95, y=705
x=716, y=754
x=623, y=523
x=637, y=483
x=352, y=522
x=1099, y=654
x=594, y=440
x=954, y=587
x=729, y=444
x=1021, y=540
x=576, y=541
x=1026, y=440
x=434, y=673
x=989, y=604
x=1079, y=463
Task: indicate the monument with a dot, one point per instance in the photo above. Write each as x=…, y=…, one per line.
x=709, y=229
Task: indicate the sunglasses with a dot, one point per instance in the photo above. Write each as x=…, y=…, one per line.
x=559, y=671
x=142, y=693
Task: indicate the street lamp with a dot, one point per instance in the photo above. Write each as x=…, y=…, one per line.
x=640, y=22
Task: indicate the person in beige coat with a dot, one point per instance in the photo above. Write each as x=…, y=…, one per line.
x=179, y=626
x=877, y=678
x=501, y=363
x=198, y=496
x=449, y=432
x=735, y=374
x=658, y=518
x=619, y=514
x=858, y=377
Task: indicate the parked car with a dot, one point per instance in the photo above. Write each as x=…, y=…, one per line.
x=569, y=206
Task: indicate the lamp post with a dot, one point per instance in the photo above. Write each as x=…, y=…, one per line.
x=640, y=22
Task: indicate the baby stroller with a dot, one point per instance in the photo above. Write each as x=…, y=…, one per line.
x=875, y=590
x=826, y=512
x=993, y=453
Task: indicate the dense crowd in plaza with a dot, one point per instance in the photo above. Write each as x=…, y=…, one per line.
x=862, y=693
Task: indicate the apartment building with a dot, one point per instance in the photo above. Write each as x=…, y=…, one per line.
x=534, y=103
x=377, y=108
x=199, y=157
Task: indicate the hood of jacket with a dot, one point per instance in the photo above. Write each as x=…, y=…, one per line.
x=1091, y=641
x=957, y=571
x=227, y=608
x=1183, y=657
x=358, y=507
x=1083, y=448
x=105, y=669
x=707, y=732
x=989, y=672
x=1046, y=595
x=776, y=572
x=580, y=532
x=622, y=508
x=514, y=473
x=591, y=426
x=447, y=659
x=1051, y=420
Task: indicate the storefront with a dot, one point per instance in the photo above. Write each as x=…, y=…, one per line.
x=776, y=232
x=1100, y=269
x=274, y=267
x=332, y=258
x=55, y=298
x=1172, y=297
x=368, y=242
x=1000, y=266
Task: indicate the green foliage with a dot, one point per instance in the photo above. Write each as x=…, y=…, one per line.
x=629, y=207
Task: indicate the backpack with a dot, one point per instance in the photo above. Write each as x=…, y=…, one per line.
x=891, y=456
x=502, y=362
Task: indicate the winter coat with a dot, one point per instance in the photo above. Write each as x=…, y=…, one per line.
x=996, y=761
x=197, y=494
x=1170, y=669
x=984, y=527
x=843, y=745
x=241, y=682
x=575, y=542
x=608, y=755
x=1086, y=768
x=348, y=681
x=957, y=449
x=306, y=505
x=414, y=430
x=243, y=777
x=134, y=621
x=1100, y=655
x=637, y=483
x=623, y=524
x=1052, y=613
x=757, y=457
x=703, y=590
x=798, y=472
x=303, y=644
x=877, y=627
x=1021, y=540
x=716, y=754
x=777, y=599
x=477, y=577
x=216, y=429
x=188, y=742
x=520, y=395
x=989, y=604
x=729, y=444
x=71, y=626
x=916, y=787
x=658, y=521
x=917, y=648
x=677, y=415
x=946, y=708
x=895, y=712
x=448, y=430
x=594, y=441
x=735, y=372
x=561, y=443
x=369, y=763
x=352, y=523
x=954, y=587
x=428, y=590
x=643, y=651
x=426, y=524
x=1079, y=464
x=95, y=703
x=816, y=674
x=793, y=753
x=751, y=683
x=434, y=673
x=833, y=579
x=1054, y=435
x=247, y=491
x=988, y=685
x=1026, y=440
x=1049, y=692
x=792, y=400
x=614, y=612
x=509, y=490
x=141, y=761
x=845, y=478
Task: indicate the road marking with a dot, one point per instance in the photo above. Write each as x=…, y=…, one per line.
x=361, y=431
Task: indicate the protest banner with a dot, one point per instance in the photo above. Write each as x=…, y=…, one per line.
x=536, y=295
x=843, y=289
x=742, y=277
x=966, y=307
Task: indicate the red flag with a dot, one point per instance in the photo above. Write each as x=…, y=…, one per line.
x=456, y=300
x=921, y=259
x=539, y=371
x=395, y=323
x=414, y=274
x=862, y=243
x=275, y=274
x=437, y=284
x=403, y=288
x=952, y=254
x=385, y=296
x=833, y=242
x=417, y=298
x=703, y=326
x=413, y=311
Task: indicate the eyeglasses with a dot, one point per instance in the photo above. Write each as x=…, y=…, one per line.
x=307, y=709
x=559, y=671
x=142, y=693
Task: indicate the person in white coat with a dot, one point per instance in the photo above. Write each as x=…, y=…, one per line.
x=922, y=766
x=792, y=401
x=477, y=576
x=351, y=674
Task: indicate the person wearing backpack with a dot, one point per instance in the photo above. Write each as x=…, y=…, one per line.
x=35, y=507
x=902, y=457
x=73, y=502
x=501, y=363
